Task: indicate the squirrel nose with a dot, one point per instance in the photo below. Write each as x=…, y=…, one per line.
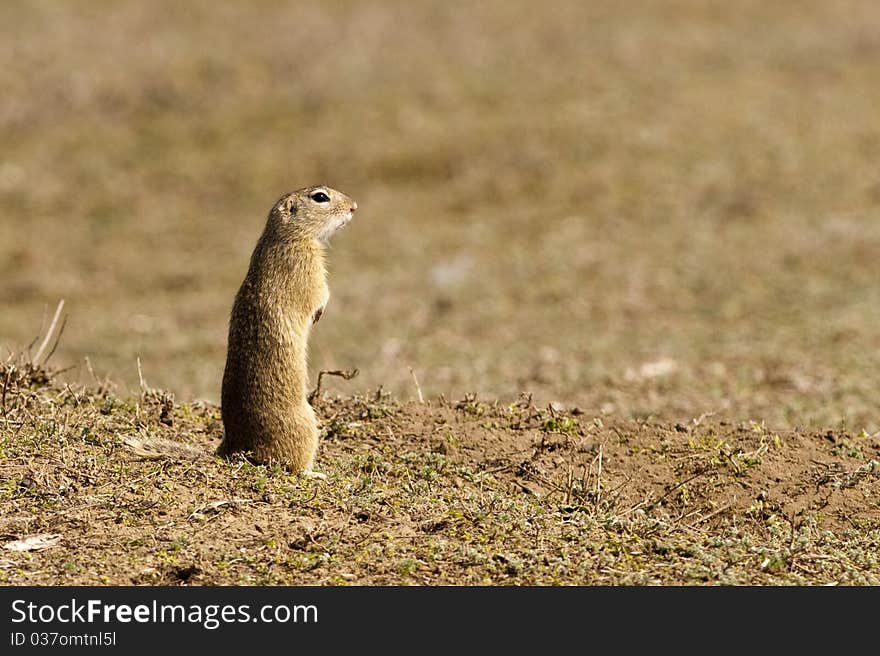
x=354, y=206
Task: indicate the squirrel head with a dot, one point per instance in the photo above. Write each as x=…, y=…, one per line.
x=312, y=213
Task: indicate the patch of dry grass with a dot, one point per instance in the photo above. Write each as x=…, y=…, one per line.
x=435, y=493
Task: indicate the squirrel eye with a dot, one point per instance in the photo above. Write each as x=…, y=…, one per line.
x=320, y=197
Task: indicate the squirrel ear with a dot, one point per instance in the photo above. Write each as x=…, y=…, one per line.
x=291, y=206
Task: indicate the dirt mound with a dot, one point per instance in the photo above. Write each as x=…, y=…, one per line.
x=463, y=492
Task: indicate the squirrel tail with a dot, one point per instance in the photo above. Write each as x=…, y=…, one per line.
x=157, y=448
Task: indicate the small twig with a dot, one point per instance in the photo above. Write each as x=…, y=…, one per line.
x=416, y=381
x=731, y=460
x=643, y=502
x=617, y=489
x=57, y=339
x=676, y=486
x=569, y=492
x=31, y=345
x=714, y=513
x=599, y=476
x=346, y=374
x=699, y=420
x=214, y=505
x=91, y=370
x=141, y=376
x=49, y=332
x=5, y=387
x=73, y=394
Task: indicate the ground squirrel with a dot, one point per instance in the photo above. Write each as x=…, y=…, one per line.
x=264, y=406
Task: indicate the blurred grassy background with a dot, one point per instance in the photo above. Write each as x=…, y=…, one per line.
x=661, y=208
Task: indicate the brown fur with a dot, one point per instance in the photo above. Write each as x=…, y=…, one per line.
x=264, y=406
